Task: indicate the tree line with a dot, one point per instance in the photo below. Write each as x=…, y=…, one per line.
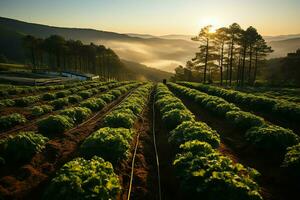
x=230, y=55
x=55, y=53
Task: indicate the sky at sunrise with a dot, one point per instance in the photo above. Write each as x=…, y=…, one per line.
x=158, y=17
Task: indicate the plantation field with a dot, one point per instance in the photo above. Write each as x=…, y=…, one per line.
x=144, y=140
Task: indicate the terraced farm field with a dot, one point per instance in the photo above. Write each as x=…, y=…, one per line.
x=143, y=140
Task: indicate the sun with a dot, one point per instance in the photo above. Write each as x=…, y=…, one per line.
x=213, y=21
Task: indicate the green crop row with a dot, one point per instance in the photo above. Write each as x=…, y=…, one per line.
x=8, y=122
x=113, y=141
x=14, y=90
x=258, y=132
x=57, y=124
x=279, y=108
x=95, y=178
x=204, y=173
x=29, y=100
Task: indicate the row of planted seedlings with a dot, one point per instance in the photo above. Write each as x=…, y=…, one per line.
x=278, y=108
x=92, y=176
x=263, y=135
x=12, y=90
x=21, y=147
x=62, y=98
x=202, y=171
x=48, y=96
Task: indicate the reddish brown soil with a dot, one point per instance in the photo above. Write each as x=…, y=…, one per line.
x=27, y=181
x=145, y=181
x=170, y=184
x=275, y=183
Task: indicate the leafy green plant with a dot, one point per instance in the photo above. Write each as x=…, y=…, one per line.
x=55, y=124
x=107, y=97
x=74, y=99
x=292, y=160
x=94, y=104
x=272, y=137
x=244, y=120
x=120, y=118
x=7, y=103
x=11, y=120
x=191, y=130
x=85, y=94
x=77, y=114
x=22, y=147
x=41, y=110
x=49, y=96
x=204, y=173
x=112, y=144
x=82, y=179
x=59, y=103
x=62, y=93
x=175, y=117
x=26, y=101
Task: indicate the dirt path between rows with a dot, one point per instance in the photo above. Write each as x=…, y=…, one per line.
x=145, y=182
x=275, y=184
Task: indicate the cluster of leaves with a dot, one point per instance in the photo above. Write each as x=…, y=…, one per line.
x=22, y=147
x=190, y=130
x=9, y=121
x=112, y=144
x=95, y=104
x=127, y=112
x=55, y=124
x=292, y=160
x=171, y=108
x=77, y=114
x=203, y=172
x=82, y=179
x=244, y=120
x=272, y=137
x=41, y=110
x=7, y=103
x=26, y=101
x=282, y=109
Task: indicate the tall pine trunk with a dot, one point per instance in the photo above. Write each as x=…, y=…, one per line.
x=206, y=60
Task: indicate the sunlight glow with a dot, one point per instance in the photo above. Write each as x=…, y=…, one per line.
x=213, y=21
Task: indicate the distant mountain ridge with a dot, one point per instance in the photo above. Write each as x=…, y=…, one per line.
x=163, y=52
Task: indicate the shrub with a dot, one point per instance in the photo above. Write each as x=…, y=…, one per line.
x=74, y=99
x=22, y=147
x=9, y=121
x=223, y=108
x=191, y=130
x=59, y=103
x=48, y=96
x=7, y=103
x=107, y=97
x=82, y=179
x=85, y=94
x=120, y=118
x=175, y=117
x=41, y=110
x=244, y=120
x=272, y=137
x=112, y=144
x=115, y=92
x=207, y=175
x=55, y=124
x=94, y=104
x=77, y=114
x=26, y=101
x=292, y=160
x=62, y=93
